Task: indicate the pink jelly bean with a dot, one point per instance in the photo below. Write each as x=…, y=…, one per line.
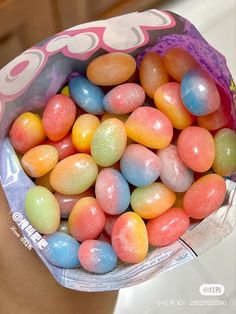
x=205, y=196
x=110, y=221
x=64, y=146
x=86, y=220
x=196, y=148
x=174, y=174
x=58, y=117
x=124, y=98
x=168, y=227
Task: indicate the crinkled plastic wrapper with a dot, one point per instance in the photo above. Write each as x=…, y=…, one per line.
x=27, y=83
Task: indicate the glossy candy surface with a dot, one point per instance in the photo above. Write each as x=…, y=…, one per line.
x=67, y=202
x=205, y=196
x=225, y=157
x=196, y=148
x=199, y=93
x=74, y=174
x=167, y=99
x=62, y=250
x=174, y=174
x=152, y=200
x=45, y=181
x=178, y=62
x=63, y=227
x=149, y=127
x=124, y=98
x=86, y=220
x=216, y=120
x=129, y=238
x=58, y=116
x=42, y=210
x=83, y=131
x=152, y=73
x=39, y=160
x=112, y=191
x=64, y=146
x=111, y=69
x=97, y=256
x=108, y=143
x=110, y=221
x=139, y=165
x=86, y=95
x=26, y=132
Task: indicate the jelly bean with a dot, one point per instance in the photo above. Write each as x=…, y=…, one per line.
x=63, y=227
x=42, y=210
x=167, y=99
x=121, y=117
x=86, y=95
x=62, y=250
x=168, y=227
x=67, y=202
x=205, y=196
x=110, y=221
x=179, y=202
x=39, y=160
x=86, y=220
x=45, y=181
x=74, y=174
x=174, y=174
x=199, y=93
x=196, y=148
x=216, y=120
x=129, y=238
x=58, y=116
x=65, y=91
x=108, y=143
x=152, y=73
x=64, y=146
x=225, y=158
x=124, y=98
x=83, y=131
x=139, y=165
x=149, y=127
x=26, y=132
x=112, y=191
x=111, y=69
x=97, y=256
x=178, y=62
x=104, y=237
x=152, y=200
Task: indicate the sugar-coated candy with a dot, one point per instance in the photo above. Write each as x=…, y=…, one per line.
x=110, y=221
x=74, y=174
x=215, y=120
x=174, y=173
x=111, y=69
x=104, y=237
x=167, y=99
x=45, y=181
x=42, y=210
x=225, y=157
x=139, y=165
x=112, y=191
x=65, y=90
x=62, y=250
x=199, y=93
x=64, y=146
x=26, y=132
x=152, y=73
x=121, y=117
x=39, y=160
x=196, y=148
x=67, y=202
x=168, y=227
x=124, y=98
x=58, y=116
x=129, y=238
x=178, y=62
x=152, y=200
x=63, y=227
x=205, y=196
x=86, y=95
x=108, y=143
x=83, y=131
x=86, y=220
x=97, y=256
x=149, y=127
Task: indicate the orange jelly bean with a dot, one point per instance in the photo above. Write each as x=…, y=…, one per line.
x=152, y=73
x=215, y=120
x=111, y=69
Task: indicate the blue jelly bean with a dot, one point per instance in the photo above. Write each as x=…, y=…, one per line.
x=86, y=95
x=62, y=250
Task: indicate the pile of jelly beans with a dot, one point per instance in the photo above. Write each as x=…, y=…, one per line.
x=124, y=158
